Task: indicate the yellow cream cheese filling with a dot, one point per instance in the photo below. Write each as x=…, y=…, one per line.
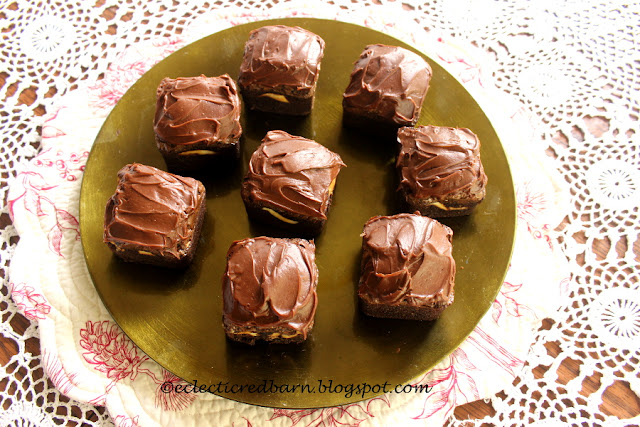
x=280, y=217
x=197, y=153
x=332, y=186
x=446, y=208
x=289, y=335
x=275, y=96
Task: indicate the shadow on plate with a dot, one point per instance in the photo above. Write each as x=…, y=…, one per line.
x=264, y=361
x=222, y=178
x=256, y=124
x=391, y=336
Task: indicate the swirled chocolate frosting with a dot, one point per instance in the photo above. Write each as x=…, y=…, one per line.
x=278, y=55
x=192, y=110
x=437, y=161
x=389, y=82
x=292, y=174
x=271, y=282
x=406, y=259
x=153, y=209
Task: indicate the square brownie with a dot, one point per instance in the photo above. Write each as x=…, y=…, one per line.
x=407, y=271
x=197, y=122
x=280, y=69
x=154, y=217
x=441, y=174
x=269, y=290
x=290, y=183
x=387, y=89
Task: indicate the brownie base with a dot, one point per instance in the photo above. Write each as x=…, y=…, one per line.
x=274, y=334
x=223, y=154
x=129, y=253
x=402, y=311
x=306, y=226
x=457, y=207
x=296, y=105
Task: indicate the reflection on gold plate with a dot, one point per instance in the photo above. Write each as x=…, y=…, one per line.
x=176, y=316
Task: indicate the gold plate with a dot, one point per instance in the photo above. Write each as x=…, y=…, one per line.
x=175, y=316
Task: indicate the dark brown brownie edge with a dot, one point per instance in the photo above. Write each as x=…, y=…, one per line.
x=402, y=311
x=306, y=226
x=251, y=334
x=225, y=152
x=131, y=254
x=297, y=105
x=460, y=207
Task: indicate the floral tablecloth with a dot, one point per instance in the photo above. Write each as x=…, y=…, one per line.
x=88, y=358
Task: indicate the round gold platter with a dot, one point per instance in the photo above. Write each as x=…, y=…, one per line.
x=175, y=316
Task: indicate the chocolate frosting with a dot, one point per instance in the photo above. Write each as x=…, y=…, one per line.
x=281, y=56
x=192, y=110
x=153, y=209
x=436, y=161
x=292, y=174
x=407, y=260
x=271, y=282
x=390, y=82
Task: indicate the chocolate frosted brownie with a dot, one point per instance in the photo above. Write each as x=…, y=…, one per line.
x=280, y=69
x=387, y=89
x=154, y=217
x=269, y=290
x=290, y=183
x=407, y=270
x=441, y=174
x=197, y=121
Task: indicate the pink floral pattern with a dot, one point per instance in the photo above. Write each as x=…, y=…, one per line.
x=122, y=421
x=57, y=374
x=34, y=197
x=248, y=423
x=116, y=81
x=49, y=130
x=125, y=71
x=168, y=45
x=339, y=416
x=508, y=301
x=111, y=352
x=466, y=70
x=493, y=351
x=69, y=168
x=531, y=204
x=32, y=304
x=452, y=385
x=172, y=401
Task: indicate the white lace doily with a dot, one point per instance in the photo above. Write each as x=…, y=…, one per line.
x=559, y=68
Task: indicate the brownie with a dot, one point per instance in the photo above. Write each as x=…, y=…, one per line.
x=441, y=174
x=290, y=183
x=280, y=69
x=154, y=217
x=407, y=271
x=387, y=89
x=197, y=122
x=269, y=290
